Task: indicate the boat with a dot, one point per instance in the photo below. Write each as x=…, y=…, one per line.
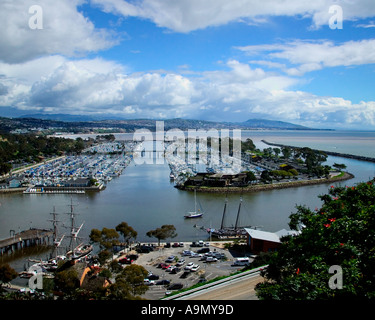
x=196, y=213
x=80, y=251
x=235, y=232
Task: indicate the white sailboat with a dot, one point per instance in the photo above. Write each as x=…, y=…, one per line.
x=196, y=213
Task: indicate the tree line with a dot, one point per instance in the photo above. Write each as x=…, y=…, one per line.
x=28, y=148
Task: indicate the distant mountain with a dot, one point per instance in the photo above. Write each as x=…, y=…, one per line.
x=86, y=124
x=171, y=123
x=271, y=124
x=68, y=117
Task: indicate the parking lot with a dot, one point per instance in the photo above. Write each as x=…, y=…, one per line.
x=153, y=262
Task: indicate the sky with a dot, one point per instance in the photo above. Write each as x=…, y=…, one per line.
x=307, y=62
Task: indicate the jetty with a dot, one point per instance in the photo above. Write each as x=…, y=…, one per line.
x=25, y=238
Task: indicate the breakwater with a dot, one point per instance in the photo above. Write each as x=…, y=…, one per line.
x=272, y=186
x=330, y=153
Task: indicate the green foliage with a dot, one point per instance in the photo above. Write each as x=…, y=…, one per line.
x=7, y=273
x=29, y=148
x=129, y=283
x=166, y=231
x=126, y=231
x=341, y=232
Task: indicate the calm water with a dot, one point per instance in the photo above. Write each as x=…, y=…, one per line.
x=144, y=197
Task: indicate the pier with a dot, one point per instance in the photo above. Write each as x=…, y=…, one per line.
x=24, y=239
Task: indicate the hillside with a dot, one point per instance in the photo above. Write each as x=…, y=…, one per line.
x=83, y=124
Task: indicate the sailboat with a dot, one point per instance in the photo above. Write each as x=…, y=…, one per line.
x=196, y=213
x=81, y=250
x=235, y=232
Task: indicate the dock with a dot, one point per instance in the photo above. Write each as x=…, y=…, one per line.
x=25, y=238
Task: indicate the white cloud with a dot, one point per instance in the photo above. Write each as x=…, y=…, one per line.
x=306, y=56
x=65, y=31
x=96, y=86
x=188, y=15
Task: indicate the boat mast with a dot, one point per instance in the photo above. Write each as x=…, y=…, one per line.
x=238, y=214
x=195, y=200
x=73, y=230
x=56, y=240
x=225, y=208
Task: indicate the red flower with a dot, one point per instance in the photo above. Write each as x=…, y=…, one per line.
x=332, y=187
x=332, y=219
x=327, y=225
x=341, y=244
x=297, y=271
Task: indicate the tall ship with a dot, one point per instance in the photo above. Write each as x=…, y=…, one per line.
x=80, y=250
x=224, y=232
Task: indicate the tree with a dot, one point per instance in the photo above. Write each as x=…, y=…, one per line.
x=129, y=283
x=330, y=236
x=126, y=231
x=7, y=273
x=106, y=238
x=339, y=166
x=166, y=231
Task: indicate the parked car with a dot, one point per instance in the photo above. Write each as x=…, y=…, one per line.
x=175, y=286
x=175, y=245
x=211, y=259
x=186, y=253
x=163, y=282
x=204, y=250
x=189, y=266
x=185, y=274
x=148, y=282
x=196, y=255
x=175, y=270
x=165, y=266
x=195, y=267
x=170, y=259
x=180, y=262
x=153, y=277
x=181, y=244
x=170, y=268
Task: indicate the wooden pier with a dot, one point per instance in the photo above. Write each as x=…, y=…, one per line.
x=24, y=239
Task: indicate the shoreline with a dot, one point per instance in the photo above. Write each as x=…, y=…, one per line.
x=330, y=153
x=264, y=187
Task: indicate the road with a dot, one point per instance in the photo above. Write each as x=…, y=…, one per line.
x=241, y=289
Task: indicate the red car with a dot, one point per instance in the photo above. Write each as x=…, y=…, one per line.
x=165, y=266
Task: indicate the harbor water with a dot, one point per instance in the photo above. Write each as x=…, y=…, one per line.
x=145, y=198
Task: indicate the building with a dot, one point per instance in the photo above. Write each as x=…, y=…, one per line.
x=14, y=183
x=264, y=241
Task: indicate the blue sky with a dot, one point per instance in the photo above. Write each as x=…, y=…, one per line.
x=213, y=60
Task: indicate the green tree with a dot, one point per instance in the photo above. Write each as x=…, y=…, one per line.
x=126, y=231
x=330, y=236
x=7, y=273
x=129, y=284
x=166, y=231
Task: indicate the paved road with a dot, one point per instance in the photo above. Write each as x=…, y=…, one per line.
x=242, y=289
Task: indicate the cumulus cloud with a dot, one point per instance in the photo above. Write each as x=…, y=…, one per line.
x=64, y=31
x=306, y=56
x=239, y=92
x=188, y=15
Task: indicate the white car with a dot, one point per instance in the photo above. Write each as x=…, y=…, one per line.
x=189, y=266
x=170, y=268
x=148, y=282
x=195, y=267
x=196, y=255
